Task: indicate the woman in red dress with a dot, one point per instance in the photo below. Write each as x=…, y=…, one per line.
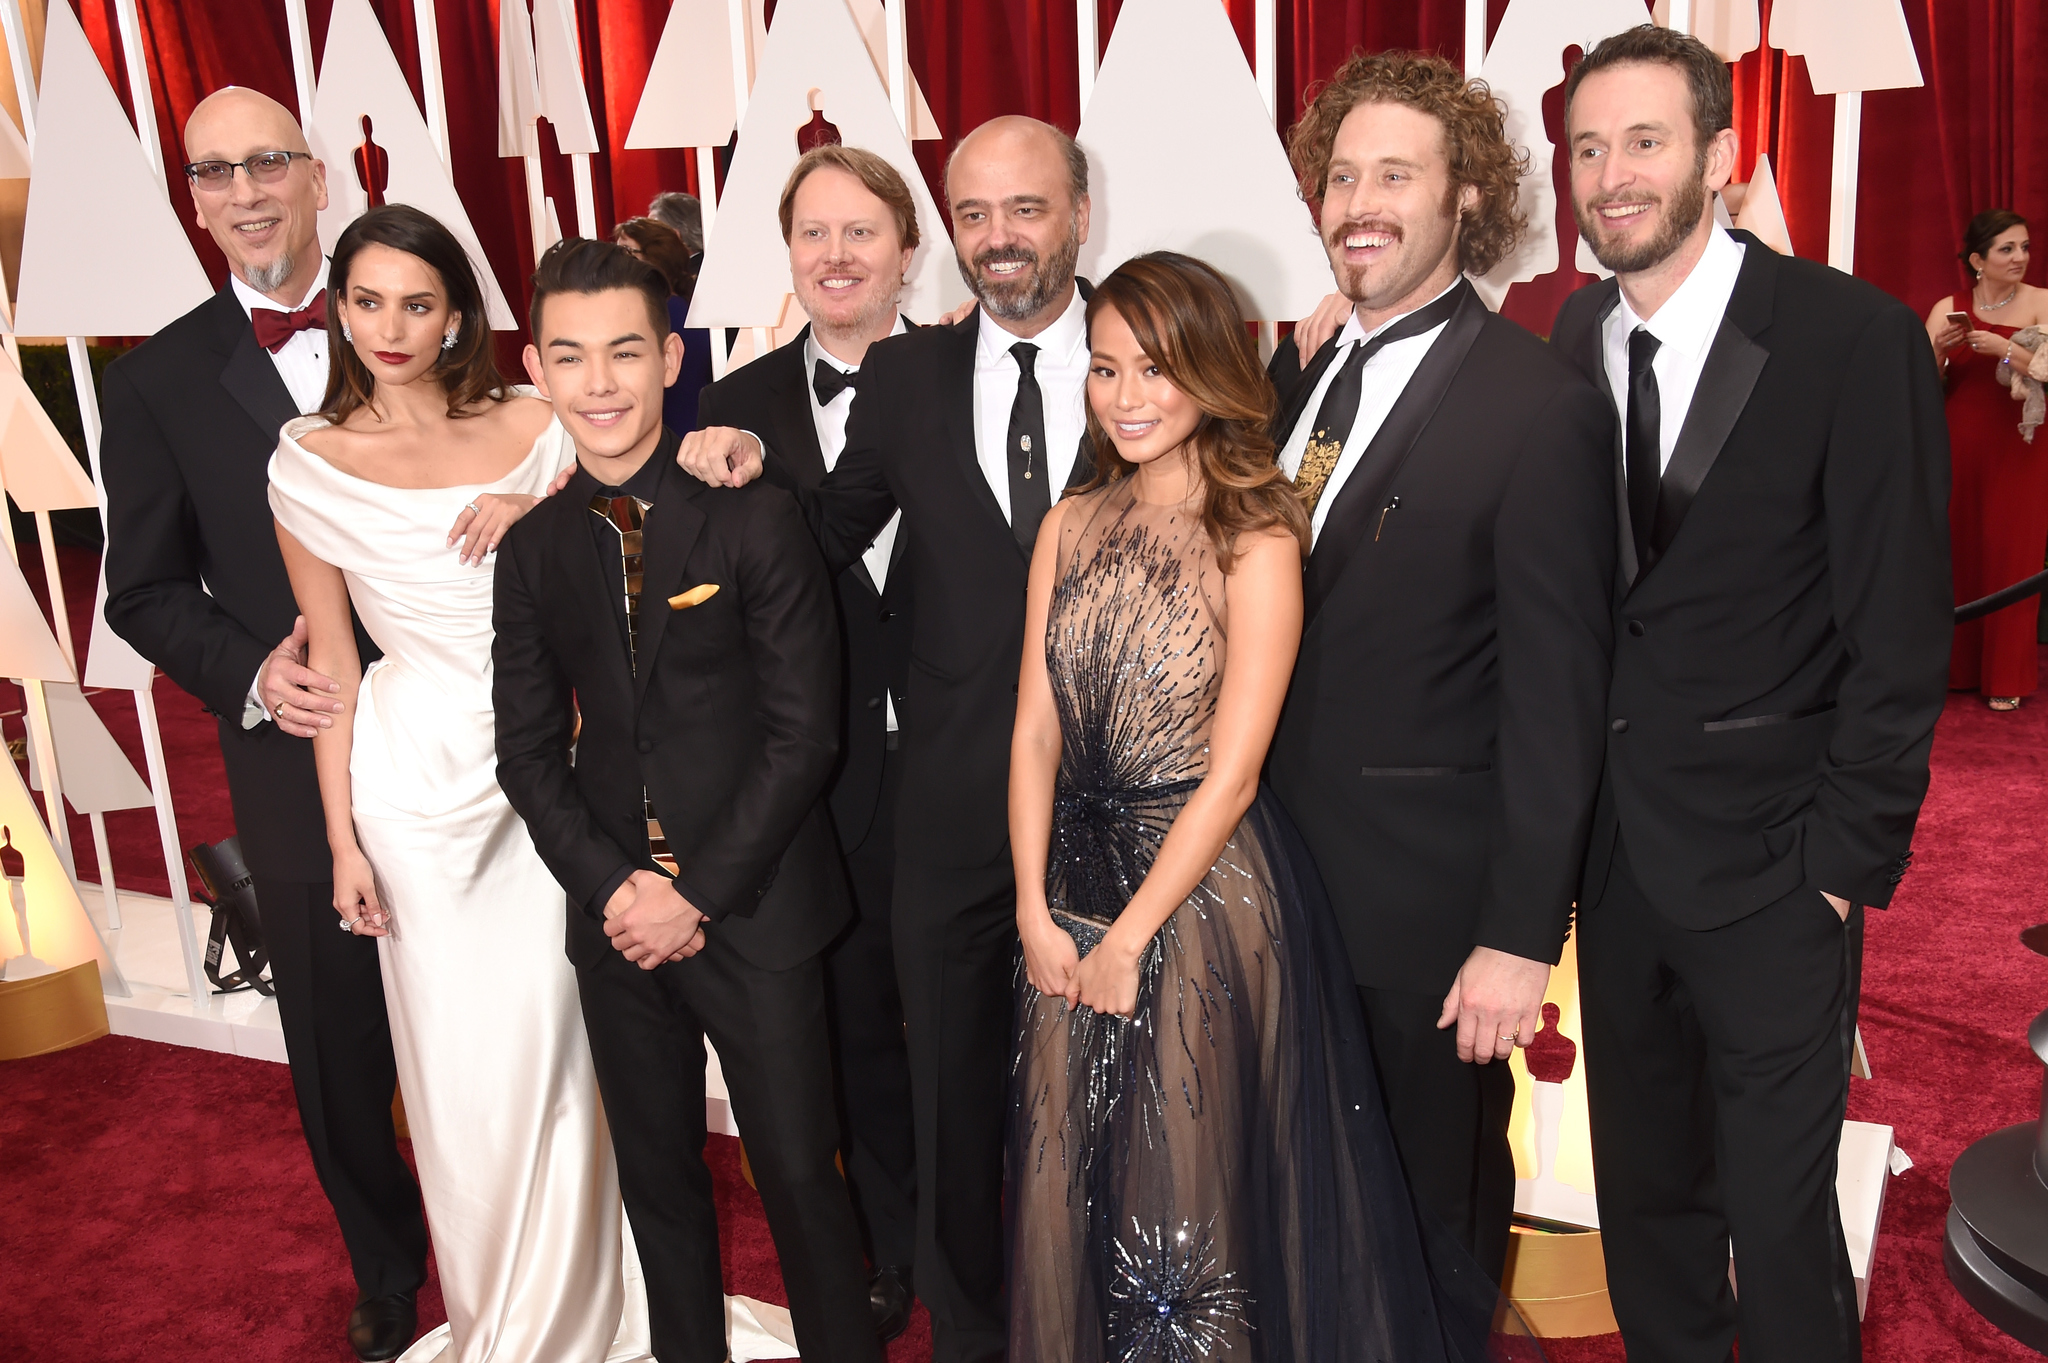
x=1998, y=508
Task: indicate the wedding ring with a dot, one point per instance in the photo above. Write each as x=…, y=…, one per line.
x=1510, y=1036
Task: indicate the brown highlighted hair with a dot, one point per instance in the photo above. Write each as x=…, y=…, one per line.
x=1187, y=318
x=467, y=372
x=660, y=246
x=1475, y=142
x=1706, y=75
x=580, y=265
x=876, y=174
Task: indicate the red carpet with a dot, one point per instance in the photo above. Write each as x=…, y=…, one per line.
x=159, y=1203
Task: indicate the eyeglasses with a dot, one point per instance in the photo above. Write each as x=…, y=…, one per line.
x=265, y=168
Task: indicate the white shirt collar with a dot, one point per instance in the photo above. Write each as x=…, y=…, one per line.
x=1064, y=341
x=1354, y=332
x=251, y=300
x=813, y=352
x=1691, y=316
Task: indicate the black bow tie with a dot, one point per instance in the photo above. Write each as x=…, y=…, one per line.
x=829, y=381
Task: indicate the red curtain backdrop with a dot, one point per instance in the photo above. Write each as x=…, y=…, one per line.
x=1931, y=157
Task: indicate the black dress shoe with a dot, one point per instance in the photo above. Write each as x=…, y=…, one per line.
x=382, y=1327
x=890, y=1295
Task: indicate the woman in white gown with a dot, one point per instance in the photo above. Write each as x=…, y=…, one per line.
x=515, y=1163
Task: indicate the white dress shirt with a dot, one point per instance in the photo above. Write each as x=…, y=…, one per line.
x=302, y=364
x=1062, y=372
x=302, y=361
x=829, y=420
x=1685, y=328
x=1381, y=384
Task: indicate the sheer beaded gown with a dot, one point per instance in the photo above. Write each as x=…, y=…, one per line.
x=1212, y=1178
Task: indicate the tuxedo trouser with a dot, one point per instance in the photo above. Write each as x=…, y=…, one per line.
x=330, y=1000
x=1717, y=1073
x=647, y=1030
x=1449, y=1119
x=956, y=955
x=872, y=1059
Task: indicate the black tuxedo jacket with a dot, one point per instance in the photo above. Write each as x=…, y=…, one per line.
x=771, y=397
x=1440, y=744
x=910, y=444
x=730, y=725
x=1781, y=661
x=195, y=582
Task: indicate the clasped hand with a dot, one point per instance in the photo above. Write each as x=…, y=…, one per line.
x=650, y=924
x=1106, y=979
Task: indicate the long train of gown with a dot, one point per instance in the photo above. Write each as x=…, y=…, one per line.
x=515, y=1161
x=1214, y=1177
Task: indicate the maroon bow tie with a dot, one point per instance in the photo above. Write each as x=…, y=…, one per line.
x=275, y=327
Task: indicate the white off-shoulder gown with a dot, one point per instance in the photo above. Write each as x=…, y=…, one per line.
x=515, y=1162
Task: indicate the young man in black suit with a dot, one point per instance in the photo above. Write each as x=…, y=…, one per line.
x=1440, y=745
x=666, y=681
x=851, y=227
x=196, y=585
x=970, y=431
x=1782, y=638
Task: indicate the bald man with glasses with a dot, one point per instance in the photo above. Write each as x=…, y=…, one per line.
x=196, y=584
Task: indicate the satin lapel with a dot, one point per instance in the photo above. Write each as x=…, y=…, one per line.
x=1734, y=363
x=667, y=537
x=250, y=376
x=1290, y=414
x=795, y=432
x=586, y=574
x=1591, y=355
x=955, y=383
x=1363, y=493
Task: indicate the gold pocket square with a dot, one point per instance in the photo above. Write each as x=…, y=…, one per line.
x=696, y=596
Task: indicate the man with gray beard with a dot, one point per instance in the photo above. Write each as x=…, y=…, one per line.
x=971, y=431
x=195, y=583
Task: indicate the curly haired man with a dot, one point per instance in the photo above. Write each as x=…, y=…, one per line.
x=1441, y=744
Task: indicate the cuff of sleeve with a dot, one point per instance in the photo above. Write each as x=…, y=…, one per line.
x=701, y=903
x=595, y=908
x=254, y=711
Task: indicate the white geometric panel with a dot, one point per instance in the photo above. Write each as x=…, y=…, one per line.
x=14, y=157
x=91, y=170
x=688, y=99
x=1174, y=106
x=360, y=78
x=97, y=775
x=559, y=75
x=518, y=82
x=1526, y=61
x=813, y=46
x=1730, y=27
x=1848, y=44
x=60, y=933
x=38, y=469
x=874, y=31
x=1763, y=215
x=27, y=648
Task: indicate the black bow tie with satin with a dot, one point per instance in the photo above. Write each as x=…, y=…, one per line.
x=828, y=381
x=275, y=327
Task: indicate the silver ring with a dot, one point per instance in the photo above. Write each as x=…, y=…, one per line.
x=1510, y=1036
x=474, y=507
x=348, y=925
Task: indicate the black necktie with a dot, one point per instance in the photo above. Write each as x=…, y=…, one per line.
x=1030, y=482
x=1644, y=464
x=1339, y=411
x=829, y=381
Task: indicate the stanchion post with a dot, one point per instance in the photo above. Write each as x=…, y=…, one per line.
x=1842, y=190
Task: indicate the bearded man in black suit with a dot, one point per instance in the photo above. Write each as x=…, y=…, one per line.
x=971, y=431
x=196, y=584
x=1783, y=621
x=1440, y=745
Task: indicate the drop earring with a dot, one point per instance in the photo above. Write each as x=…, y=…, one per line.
x=345, y=334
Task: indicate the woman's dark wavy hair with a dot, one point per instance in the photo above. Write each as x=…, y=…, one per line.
x=468, y=373
x=1186, y=317
x=1984, y=229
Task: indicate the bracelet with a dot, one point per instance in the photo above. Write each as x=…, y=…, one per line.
x=2007, y=358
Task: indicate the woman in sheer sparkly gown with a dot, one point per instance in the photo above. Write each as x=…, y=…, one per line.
x=1198, y=1161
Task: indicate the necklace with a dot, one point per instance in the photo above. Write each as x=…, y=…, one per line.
x=1994, y=307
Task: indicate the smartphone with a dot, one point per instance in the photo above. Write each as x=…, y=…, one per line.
x=1959, y=319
